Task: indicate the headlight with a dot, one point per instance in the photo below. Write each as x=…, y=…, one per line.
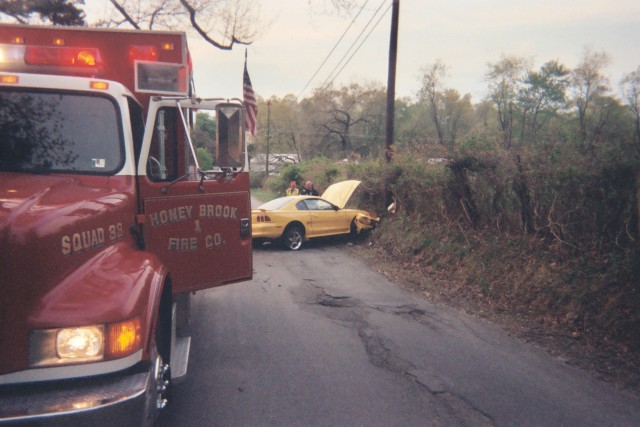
x=80, y=343
x=50, y=347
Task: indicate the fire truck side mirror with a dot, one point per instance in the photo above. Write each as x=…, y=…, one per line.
x=230, y=150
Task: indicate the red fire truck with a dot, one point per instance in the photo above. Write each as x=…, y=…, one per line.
x=112, y=212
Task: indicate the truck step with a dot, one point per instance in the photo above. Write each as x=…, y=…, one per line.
x=180, y=357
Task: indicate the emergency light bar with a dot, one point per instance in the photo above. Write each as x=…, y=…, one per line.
x=142, y=53
x=62, y=56
x=149, y=73
x=24, y=58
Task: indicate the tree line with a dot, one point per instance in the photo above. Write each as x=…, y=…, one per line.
x=518, y=158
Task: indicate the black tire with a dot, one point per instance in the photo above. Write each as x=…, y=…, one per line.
x=292, y=237
x=353, y=230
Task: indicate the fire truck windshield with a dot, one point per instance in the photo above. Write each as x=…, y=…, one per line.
x=49, y=132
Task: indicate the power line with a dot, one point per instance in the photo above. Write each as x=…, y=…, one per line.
x=333, y=76
x=321, y=134
x=334, y=48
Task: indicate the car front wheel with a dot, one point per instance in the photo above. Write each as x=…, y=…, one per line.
x=293, y=237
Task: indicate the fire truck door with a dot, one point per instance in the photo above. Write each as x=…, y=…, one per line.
x=199, y=226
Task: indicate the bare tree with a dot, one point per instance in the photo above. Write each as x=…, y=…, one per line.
x=588, y=83
x=458, y=112
x=504, y=79
x=349, y=118
x=340, y=7
x=448, y=110
x=431, y=93
x=542, y=95
x=222, y=23
x=56, y=12
x=631, y=88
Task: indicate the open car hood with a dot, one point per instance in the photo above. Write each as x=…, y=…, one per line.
x=340, y=192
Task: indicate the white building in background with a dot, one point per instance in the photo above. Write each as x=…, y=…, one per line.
x=276, y=162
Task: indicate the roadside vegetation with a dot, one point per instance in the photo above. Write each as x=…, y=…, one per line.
x=522, y=208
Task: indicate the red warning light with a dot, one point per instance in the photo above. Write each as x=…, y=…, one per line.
x=143, y=53
x=62, y=57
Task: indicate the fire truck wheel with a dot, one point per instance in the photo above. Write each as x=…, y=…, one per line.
x=293, y=237
x=160, y=353
x=158, y=393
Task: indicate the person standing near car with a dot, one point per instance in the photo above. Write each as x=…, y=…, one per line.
x=292, y=190
x=308, y=189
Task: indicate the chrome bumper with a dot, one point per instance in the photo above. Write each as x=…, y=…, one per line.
x=111, y=400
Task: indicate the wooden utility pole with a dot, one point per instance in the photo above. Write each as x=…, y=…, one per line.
x=266, y=160
x=391, y=92
x=638, y=201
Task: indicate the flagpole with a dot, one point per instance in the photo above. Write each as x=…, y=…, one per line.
x=249, y=100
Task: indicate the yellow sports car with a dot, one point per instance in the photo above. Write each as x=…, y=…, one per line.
x=294, y=219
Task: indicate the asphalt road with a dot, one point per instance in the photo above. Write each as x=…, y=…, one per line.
x=320, y=339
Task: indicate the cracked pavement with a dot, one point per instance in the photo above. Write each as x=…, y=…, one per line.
x=320, y=339
x=479, y=374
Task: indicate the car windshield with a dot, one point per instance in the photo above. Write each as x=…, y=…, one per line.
x=45, y=132
x=275, y=204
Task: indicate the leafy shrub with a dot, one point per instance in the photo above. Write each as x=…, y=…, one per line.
x=205, y=159
x=257, y=179
x=278, y=184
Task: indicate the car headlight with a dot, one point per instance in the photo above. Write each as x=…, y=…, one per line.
x=50, y=347
x=364, y=220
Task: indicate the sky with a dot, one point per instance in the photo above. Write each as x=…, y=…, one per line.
x=465, y=35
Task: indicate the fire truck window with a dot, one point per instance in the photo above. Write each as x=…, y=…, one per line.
x=48, y=132
x=204, y=138
x=162, y=164
x=137, y=126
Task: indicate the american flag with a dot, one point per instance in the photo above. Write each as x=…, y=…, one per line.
x=250, y=105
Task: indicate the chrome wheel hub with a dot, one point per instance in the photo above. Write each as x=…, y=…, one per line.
x=162, y=373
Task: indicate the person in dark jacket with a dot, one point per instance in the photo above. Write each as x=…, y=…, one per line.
x=308, y=189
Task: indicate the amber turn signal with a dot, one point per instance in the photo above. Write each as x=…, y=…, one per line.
x=123, y=338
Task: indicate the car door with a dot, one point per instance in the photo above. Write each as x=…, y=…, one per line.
x=326, y=219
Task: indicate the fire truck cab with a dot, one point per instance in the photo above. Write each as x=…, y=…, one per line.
x=113, y=210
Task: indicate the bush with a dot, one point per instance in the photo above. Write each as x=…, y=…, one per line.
x=576, y=268
x=257, y=179
x=322, y=172
x=205, y=158
x=278, y=184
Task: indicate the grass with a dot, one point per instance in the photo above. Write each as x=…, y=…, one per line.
x=263, y=195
